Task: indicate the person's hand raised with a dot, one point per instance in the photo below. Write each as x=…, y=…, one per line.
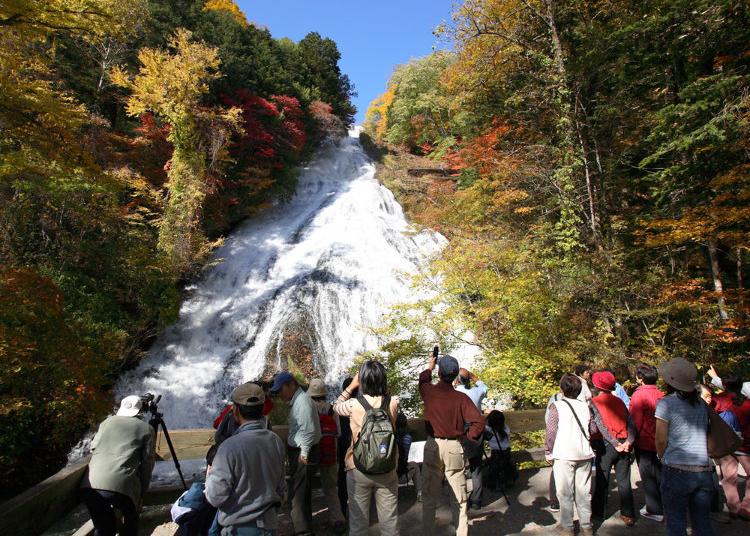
x=354, y=385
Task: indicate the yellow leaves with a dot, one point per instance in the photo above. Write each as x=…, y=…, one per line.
x=84, y=19
x=229, y=6
x=725, y=215
x=171, y=85
x=376, y=117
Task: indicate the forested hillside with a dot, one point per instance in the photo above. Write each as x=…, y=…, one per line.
x=133, y=134
x=598, y=203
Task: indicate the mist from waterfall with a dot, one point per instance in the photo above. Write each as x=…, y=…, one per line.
x=328, y=265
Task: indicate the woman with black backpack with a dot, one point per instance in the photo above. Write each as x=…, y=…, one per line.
x=372, y=458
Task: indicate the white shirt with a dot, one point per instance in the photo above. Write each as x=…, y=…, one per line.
x=476, y=393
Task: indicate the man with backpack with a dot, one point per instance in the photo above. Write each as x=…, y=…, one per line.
x=451, y=418
x=372, y=459
x=246, y=480
x=330, y=430
x=303, y=448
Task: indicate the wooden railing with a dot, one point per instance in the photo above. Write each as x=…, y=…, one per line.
x=39, y=507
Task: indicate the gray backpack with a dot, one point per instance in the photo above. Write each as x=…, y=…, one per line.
x=375, y=451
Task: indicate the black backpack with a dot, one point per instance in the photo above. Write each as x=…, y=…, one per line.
x=375, y=451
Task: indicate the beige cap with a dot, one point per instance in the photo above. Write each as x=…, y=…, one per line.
x=248, y=394
x=317, y=388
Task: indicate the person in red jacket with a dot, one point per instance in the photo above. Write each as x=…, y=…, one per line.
x=612, y=448
x=642, y=410
x=734, y=399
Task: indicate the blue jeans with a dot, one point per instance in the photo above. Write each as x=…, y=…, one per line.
x=683, y=492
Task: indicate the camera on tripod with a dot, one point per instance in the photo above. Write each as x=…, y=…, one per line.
x=150, y=403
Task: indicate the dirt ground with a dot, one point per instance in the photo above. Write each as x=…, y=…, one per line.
x=527, y=514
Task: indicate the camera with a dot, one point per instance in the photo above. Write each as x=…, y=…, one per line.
x=150, y=403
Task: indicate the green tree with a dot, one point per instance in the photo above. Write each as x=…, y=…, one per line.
x=171, y=87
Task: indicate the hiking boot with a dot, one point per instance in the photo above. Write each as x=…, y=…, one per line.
x=629, y=521
x=648, y=515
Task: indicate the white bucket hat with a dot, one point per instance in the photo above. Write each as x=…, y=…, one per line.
x=130, y=406
x=746, y=389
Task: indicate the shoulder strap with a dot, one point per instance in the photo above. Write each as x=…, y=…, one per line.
x=385, y=405
x=577, y=420
x=365, y=404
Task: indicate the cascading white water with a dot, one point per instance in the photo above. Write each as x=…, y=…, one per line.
x=333, y=260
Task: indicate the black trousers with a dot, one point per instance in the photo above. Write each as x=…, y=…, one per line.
x=606, y=457
x=553, y=502
x=102, y=505
x=300, y=487
x=477, y=485
x=650, y=468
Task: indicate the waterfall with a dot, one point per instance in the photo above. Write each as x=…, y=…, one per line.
x=306, y=279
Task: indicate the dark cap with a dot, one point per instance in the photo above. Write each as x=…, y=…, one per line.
x=448, y=365
x=248, y=394
x=679, y=373
x=281, y=379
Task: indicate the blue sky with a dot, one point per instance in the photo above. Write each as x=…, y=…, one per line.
x=373, y=36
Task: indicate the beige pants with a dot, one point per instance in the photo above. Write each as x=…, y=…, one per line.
x=444, y=457
x=573, y=483
x=329, y=476
x=361, y=488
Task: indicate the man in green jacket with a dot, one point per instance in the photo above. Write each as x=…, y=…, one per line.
x=303, y=448
x=120, y=469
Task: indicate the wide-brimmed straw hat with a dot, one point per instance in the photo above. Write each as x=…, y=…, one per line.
x=679, y=373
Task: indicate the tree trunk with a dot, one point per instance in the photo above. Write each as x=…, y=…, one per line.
x=718, y=287
x=556, y=43
x=740, y=284
x=593, y=218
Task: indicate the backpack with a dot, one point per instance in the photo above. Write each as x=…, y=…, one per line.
x=328, y=433
x=375, y=451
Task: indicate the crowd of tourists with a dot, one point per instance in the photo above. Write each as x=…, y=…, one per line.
x=677, y=439
x=362, y=450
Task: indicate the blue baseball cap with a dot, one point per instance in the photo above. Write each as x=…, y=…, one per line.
x=448, y=365
x=281, y=379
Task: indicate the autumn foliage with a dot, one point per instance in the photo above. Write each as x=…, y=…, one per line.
x=598, y=205
x=121, y=167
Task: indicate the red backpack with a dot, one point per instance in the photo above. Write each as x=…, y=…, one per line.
x=328, y=439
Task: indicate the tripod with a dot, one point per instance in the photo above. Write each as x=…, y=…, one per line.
x=156, y=421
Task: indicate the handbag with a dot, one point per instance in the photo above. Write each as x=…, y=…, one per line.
x=722, y=440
